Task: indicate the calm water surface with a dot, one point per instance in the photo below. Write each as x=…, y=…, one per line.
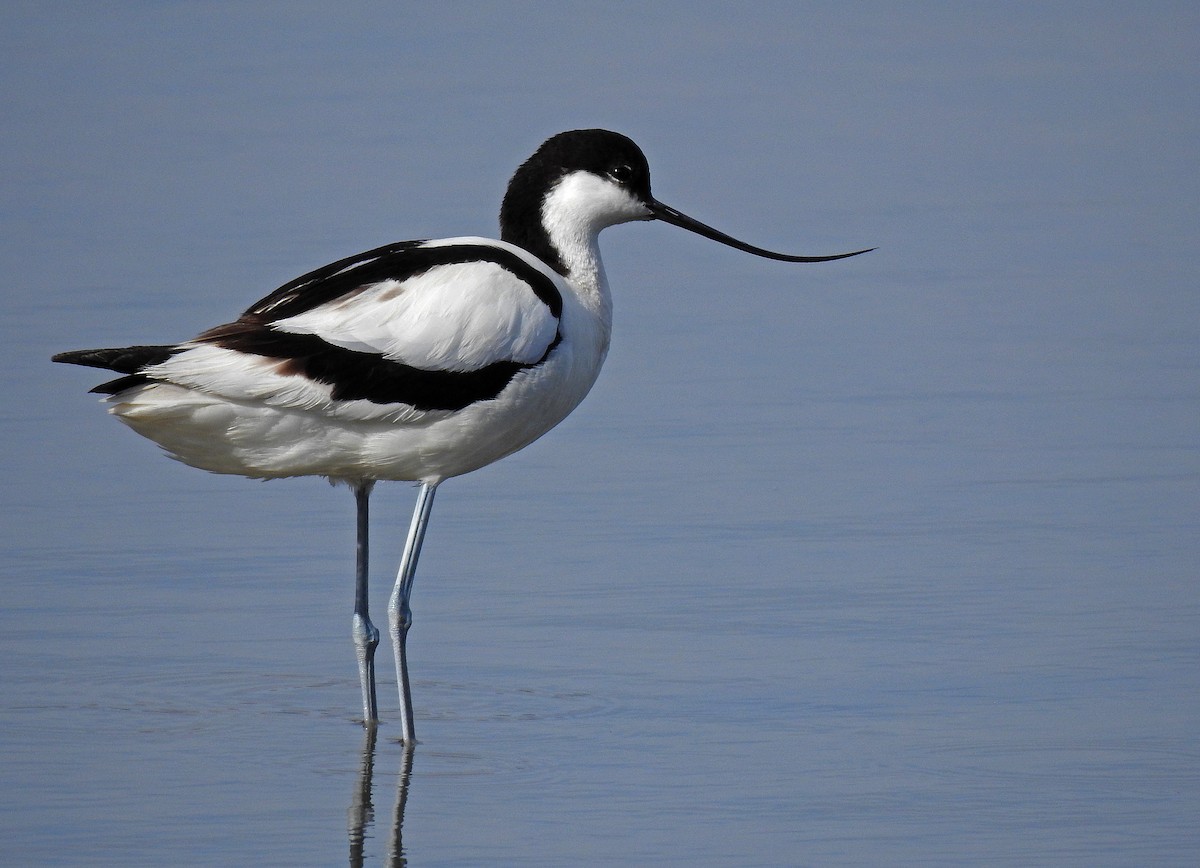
x=890, y=561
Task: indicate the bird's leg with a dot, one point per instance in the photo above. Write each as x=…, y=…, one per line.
x=366, y=637
x=399, y=613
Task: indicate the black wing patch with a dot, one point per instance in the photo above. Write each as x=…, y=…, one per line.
x=355, y=375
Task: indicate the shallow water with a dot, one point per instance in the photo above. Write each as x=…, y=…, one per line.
x=889, y=561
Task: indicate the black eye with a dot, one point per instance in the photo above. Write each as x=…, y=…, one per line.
x=622, y=174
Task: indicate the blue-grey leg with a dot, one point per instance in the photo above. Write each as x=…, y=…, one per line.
x=399, y=613
x=366, y=637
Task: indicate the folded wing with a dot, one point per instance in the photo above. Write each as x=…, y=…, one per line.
x=415, y=326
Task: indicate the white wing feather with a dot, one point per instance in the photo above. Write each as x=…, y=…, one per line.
x=458, y=317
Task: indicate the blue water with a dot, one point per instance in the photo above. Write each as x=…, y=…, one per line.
x=885, y=561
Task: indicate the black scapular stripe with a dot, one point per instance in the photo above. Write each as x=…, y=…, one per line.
x=367, y=376
x=399, y=261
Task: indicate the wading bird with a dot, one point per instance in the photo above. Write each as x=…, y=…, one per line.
x=416, y=361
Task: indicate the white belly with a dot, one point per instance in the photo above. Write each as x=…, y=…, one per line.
x=264, y=439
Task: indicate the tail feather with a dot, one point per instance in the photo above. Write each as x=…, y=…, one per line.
x=130, y=361
x=123, y=360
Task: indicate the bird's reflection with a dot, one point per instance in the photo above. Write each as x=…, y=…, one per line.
x=361, y=815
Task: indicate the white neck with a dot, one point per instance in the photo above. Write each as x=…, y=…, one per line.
x=573, y=213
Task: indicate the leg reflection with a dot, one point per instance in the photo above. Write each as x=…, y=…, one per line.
x=397, y=859
x=361, y=814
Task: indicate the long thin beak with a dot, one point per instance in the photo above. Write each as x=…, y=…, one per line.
x=676, y=218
